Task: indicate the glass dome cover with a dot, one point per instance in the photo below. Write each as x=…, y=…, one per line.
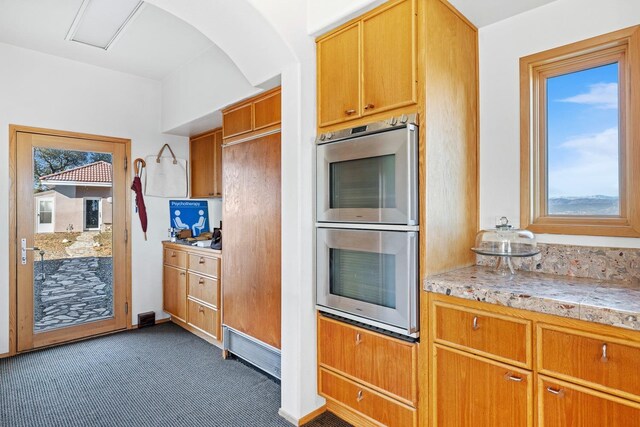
x=506, y=241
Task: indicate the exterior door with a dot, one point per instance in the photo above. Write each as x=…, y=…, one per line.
x=45, y=214
x=71, y=282
x=92, y=213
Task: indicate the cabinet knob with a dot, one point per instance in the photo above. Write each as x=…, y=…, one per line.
x=201, y=309
x=201, y=281
x=369, y=107
x=183, y=273
x=173, y=254
x=212, y=194
x=350, y=112
x=201, y=261
x=360, y=396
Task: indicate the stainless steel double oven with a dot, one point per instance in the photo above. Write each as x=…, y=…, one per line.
x=367, y=224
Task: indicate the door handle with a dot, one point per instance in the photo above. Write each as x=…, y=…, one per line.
x=23, y=244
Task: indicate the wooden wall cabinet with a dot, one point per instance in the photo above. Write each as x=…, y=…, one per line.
x=252, y=117
x=192, y=288
x=482, y=371
x=368, y=66
x=206, y=165
x=367, y=378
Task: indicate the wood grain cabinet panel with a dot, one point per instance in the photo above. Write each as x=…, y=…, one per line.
x=203, y=166
x=267, y=111
x=492, y=335
x=472, y=391
x=367, y=402
x=385, y=363
x=597, y=361
x=561, y=404
x=204, y=265
x=204, y=318
x=389, y=58
x=175, y=258
x=204, y=289
x=238, y=120
x=339, y=76
x=174, y=292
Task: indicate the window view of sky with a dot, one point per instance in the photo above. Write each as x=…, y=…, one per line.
x=582, y=139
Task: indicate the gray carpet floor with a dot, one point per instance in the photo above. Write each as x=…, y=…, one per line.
x=158, y=376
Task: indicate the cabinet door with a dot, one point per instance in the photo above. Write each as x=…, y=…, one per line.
x=174, y=292
x=238, y=121
x=562, y=404
x=476, y=392
x=339, y=76
x=267, y=111
x=389, y=58
x=202, y=160
x=217, y=166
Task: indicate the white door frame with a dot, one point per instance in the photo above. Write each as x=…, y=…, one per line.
x=84, y=213
x=50, y=228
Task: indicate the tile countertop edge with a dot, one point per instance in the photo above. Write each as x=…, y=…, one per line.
x=599, y=301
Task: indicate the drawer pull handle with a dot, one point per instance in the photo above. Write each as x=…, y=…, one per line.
x=201, y=309
x=201, y=281
x=358, y=338
x=604, y=352
x=509, y=377
x=173, y=254
x=475, y=323
x=557, y=392
x=360, y=396
x=350, y=112
x=201, y=261
x=369, y=107
x=183, y=273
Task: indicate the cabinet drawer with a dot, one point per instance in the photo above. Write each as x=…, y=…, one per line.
x=503, y=338
x=599, y=361
x=175, y=258
x=386, y=364
x=204, y=318
x=562, y=404
x=367, y=402
x=204, y=289
x=204, y=265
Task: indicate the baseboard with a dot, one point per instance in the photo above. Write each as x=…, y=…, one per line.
x=7, y=354
x=302, y=421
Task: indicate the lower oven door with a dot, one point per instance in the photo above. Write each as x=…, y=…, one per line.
x=369, y=276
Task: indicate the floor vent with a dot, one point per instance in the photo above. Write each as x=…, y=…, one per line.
x=257, y=353
x=146, y=319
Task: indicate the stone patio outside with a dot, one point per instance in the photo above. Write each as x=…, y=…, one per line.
x=76, y=289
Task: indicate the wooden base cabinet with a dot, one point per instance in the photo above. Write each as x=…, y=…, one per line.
x=586, y=374
x=191, y=290
x=470, y=390
x=367, y=378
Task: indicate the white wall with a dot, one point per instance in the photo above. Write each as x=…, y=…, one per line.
x=322, y=15
x=50, y=92
x=501, y=46
x=197, y=89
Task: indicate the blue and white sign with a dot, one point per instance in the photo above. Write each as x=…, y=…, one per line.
x=189, y=215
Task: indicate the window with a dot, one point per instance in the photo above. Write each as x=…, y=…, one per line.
x=580, y=145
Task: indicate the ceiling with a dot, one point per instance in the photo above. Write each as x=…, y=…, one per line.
x=154, y=43
x=487, y=12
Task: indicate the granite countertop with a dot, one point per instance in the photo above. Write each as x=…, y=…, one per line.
x=191, y=246
x=608, y=302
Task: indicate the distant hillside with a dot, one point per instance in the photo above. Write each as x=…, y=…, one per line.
x=593, y=205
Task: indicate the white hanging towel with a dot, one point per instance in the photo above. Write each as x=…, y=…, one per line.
x=166, y=176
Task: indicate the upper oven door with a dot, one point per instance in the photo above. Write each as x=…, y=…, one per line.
x=369, y=179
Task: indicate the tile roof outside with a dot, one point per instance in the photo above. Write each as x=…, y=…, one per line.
x=100, y=171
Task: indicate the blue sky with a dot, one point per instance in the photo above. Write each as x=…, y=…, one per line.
x=582, y=115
